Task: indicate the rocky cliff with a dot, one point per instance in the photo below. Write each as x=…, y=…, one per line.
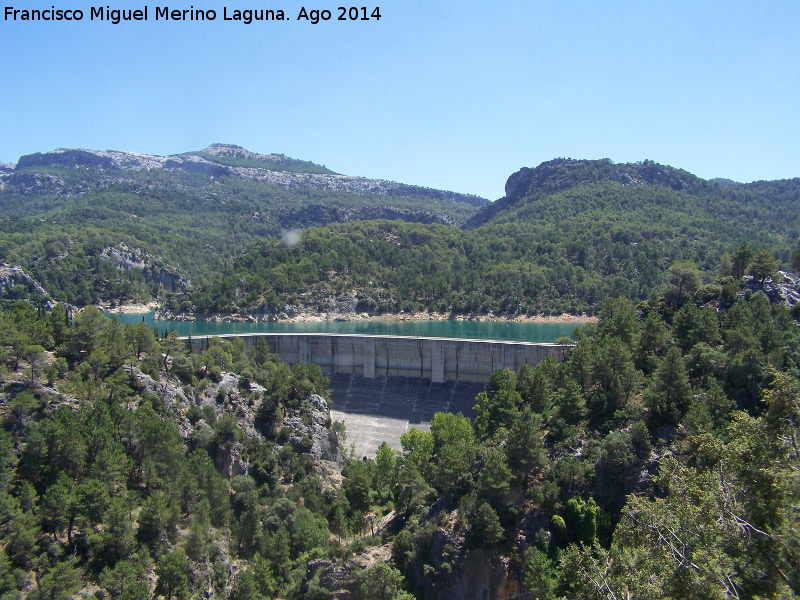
x=12, y=275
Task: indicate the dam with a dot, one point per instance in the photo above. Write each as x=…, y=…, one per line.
x=381, y=385
x=436, y=359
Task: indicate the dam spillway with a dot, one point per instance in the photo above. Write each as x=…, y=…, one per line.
x=436, y=359
x=381, y=386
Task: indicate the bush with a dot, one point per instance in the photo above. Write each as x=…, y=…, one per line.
x=708, y=293
x=222, y=395
x=215, y=374
x=209, y=415
x=486, y=529
x=558, y=530
x=194, y=414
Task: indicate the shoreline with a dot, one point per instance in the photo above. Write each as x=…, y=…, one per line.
x=314, y=317
x=136, y=308
x=488, y=317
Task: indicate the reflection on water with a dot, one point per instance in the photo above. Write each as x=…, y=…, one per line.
x=528, y=332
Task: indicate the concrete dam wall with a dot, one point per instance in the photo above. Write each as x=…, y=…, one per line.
x=381, y=386
x=436, y=359
x=384, y=408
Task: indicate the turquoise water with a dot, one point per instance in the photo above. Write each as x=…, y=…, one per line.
x=528, y=332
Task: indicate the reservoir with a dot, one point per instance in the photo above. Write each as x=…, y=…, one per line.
x=475, y=330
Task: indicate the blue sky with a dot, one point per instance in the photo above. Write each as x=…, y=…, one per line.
x=454, y=95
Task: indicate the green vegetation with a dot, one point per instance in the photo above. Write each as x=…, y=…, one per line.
x=394, y=266
x=568, y=235
x=655, y=462
x=658, y=460
x=664, y=444
x=281, y=163
x=108, y=467
x=570, y=239
x=92, y=234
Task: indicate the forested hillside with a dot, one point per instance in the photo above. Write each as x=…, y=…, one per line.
x=659, y=460
x=132, y=466
x=568, y=235
x=205, y=232
x=111, y=226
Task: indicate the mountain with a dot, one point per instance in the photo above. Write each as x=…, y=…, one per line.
x=560, y=174
x=207, y=226
x=227, y=160
x=111, y=225
x=669, y=187
x=568, y=234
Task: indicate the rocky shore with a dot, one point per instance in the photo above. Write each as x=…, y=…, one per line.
x=136, y=308
x=295, y=316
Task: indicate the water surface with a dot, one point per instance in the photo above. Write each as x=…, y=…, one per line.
x=483, y=330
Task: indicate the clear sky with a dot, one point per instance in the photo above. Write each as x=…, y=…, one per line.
x=453, y=95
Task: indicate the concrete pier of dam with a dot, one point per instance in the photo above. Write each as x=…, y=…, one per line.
x=436, y=359
x=381, y=386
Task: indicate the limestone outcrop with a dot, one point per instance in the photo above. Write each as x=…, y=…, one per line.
x=115, y=160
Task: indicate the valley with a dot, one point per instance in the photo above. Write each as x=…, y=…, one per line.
x=247, y=460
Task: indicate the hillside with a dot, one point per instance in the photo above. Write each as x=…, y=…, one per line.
x=135, y=466
x=659, y=457
x=203, y=232
x=110, y=225
x=563, y=188
x=567, y=235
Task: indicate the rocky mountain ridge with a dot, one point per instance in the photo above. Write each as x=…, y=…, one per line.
x=562, y=173
x=203, y=162
x=66, y=216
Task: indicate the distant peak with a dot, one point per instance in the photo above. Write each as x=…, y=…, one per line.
x=236, y=156
x=529, y=184
x=219, y=147
x=235, y=151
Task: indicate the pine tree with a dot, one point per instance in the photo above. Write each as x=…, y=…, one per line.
x=669, y=392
